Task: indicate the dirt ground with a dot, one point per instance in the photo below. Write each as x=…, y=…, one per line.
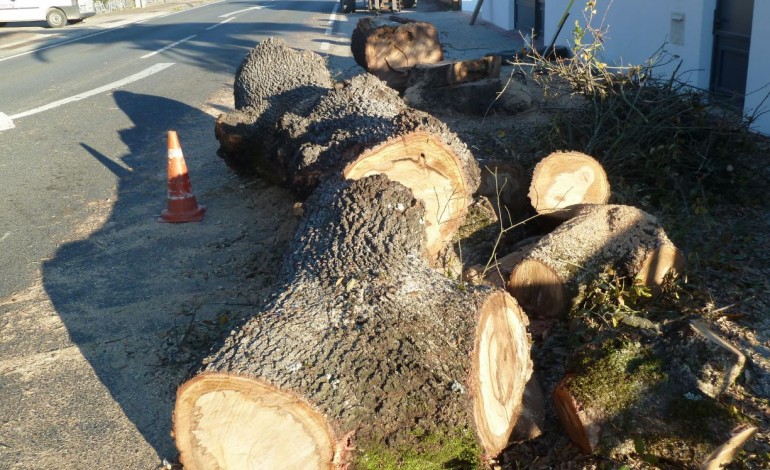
x=95, y=363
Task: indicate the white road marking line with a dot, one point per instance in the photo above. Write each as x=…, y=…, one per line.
x=55, y=45
x=6, y=122
x=168, y=47
x=5, y=236
x=328, y=32
x=239, y=11
x=86, y=94
x=110, y=28
x=220, y=24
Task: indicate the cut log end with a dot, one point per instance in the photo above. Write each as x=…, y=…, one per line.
x=563, y=180
x=431, y=171
x=574, y=427
x=502, y=369
x=539, y=290
x=659, y=263
x=227, y=421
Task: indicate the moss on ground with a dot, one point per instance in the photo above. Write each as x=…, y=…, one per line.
x=623, y=373
x=436, y=451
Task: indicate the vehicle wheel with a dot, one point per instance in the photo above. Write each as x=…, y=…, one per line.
x=56, y=18
x=348, y=6
x=408, y=3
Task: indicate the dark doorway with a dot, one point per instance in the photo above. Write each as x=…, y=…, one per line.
x=732, y=38
x=529, y=16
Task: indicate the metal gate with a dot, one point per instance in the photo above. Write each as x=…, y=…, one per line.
x=730, y=61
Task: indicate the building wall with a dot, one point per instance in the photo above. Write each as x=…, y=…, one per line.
x=636, y=30
x=497, y=12
x=758, y=81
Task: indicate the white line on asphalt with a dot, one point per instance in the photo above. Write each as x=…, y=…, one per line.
x=110, y=86
x=55, y=45
x=328, y=32
x=5, y=236
x=168, y=47
x=239, y=11
x=220, y=23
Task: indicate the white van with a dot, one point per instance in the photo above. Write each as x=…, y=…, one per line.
x=56, y=13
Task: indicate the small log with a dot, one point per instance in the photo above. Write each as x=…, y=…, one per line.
x=388, y=50
x=563, y=181
x=557, y=269
x=366, y=346
x=646, y=398
x=473, y=98
x=446, y=73
x=498, y=273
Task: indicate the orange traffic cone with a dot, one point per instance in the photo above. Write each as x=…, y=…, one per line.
x=182, y=206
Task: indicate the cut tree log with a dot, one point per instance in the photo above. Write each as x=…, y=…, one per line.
x=388, y=49
x=355, y=128
x=365, y=346
x=271, y=80
x=563, y=181
x=558, y=268
x=360, y=128
x=447, y=72
x=647, y=398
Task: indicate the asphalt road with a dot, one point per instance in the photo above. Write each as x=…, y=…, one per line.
x=89, y=105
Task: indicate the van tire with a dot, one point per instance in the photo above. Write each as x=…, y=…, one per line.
x=55, y=18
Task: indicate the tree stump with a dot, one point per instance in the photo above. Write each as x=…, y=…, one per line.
x=388, y=49
x=365, y=345
x=648, y=398
x=563, y=181
x=557, y=269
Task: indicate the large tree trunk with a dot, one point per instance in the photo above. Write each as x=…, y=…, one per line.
x=388, y=50
x=563, y=181
x=271, y=80
x=657, y=398
x=353, y=129
x=365, y=345
x=556, y=271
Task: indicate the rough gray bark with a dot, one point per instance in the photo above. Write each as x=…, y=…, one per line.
x=271, y=80
x=356, y=117
x=368, y=333
x=558, y=268
x=273, y=68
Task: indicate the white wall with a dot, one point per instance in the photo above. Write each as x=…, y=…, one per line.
x=759, y=67
x=497, y=12
x=636, y=29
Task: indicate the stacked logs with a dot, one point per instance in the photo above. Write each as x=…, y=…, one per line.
x=642, y=387
x=364, y=345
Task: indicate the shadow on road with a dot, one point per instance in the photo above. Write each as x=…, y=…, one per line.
x=138, y=296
